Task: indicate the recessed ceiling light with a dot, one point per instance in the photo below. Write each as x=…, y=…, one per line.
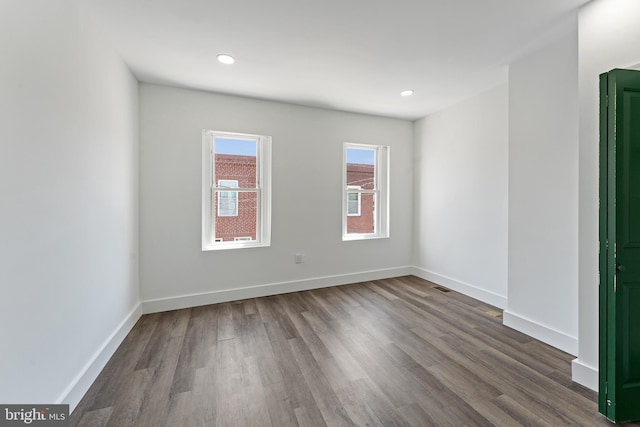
x=226, y=59
x=407, y=92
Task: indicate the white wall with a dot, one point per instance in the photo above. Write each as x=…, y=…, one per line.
x=609, y=37
x=306, y=215
x=543, y=193
x=460, y=197
x=68, y=180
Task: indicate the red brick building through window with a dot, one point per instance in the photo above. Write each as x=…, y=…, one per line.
x=235, y=212
x=360, y=207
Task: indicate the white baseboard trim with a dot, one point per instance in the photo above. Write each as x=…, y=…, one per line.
x=584, y=374
x=80, y=385
x=462, y=287
x=214, y=297
x=548, y=335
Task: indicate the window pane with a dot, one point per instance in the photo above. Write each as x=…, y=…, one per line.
x=365, y=192
x=353, y=204
x=361, y=167
x=365, y=222
x=242, y=226
x=235, y=159
x=227, y=200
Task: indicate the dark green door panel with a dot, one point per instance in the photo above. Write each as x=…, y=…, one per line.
x=631, y=335
x=620, y=246
x=629, y=187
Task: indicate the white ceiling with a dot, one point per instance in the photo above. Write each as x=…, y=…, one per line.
x=352, y=55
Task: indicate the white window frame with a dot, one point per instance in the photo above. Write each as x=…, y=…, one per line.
x=354, y=187
x=235, y=199
x=210, y=188
x=380, y=192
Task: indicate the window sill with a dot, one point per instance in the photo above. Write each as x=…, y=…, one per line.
x=233, y=245
x=352, y=237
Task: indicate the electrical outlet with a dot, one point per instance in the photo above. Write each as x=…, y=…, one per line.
x=298, y=258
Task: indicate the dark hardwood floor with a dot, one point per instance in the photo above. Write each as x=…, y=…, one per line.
x=383, y=353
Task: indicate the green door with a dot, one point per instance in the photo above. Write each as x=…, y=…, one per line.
x=620, y=245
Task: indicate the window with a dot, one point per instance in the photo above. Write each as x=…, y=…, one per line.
x=227, y=200
x=354, y=201
x=242, y=217
x=365, y=197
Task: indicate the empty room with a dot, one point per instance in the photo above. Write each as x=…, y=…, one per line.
x=274, y=213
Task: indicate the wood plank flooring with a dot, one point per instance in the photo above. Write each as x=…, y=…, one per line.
x=395, y=352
